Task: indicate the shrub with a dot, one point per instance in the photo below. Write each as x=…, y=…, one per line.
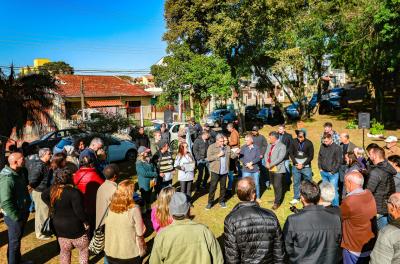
x=352, y=124
x=376, y=128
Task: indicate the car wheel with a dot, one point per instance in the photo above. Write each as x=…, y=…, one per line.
x=131, y=155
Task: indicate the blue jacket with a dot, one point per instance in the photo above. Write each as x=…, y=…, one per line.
x=250, y=155
x=146, y=172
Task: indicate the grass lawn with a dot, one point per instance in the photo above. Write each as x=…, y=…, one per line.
x=45, y=252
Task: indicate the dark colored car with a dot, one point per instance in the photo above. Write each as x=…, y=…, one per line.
x=331, y=100
x=51, y=139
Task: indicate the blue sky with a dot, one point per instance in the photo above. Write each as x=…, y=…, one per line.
x=87, y=34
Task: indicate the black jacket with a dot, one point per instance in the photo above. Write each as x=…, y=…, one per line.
x=330, y=158
x=287, y=139
x=313, y=236
x=39, y=175
x=200, y=148
x=142, y=140
x=252, y=235
x=307, y=148
x=381, y=183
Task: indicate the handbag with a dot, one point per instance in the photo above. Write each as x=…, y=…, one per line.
x=96, y=245
x=47, y=228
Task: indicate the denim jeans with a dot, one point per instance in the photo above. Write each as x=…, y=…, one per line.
x=230, y=180
x=334, y=179
x=256, y=178
x=15, y=233
x=305, y=173
x=287, y=174
x=381, y=221
x=203, y=175
x=349, y=258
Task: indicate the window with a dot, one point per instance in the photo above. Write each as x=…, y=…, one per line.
x=134, y=103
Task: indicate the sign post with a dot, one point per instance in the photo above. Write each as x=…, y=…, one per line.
x=364, y=122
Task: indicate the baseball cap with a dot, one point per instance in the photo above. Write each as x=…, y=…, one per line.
x=391, y=139
x=143, y=149
x=179, y=204
x=255, y=128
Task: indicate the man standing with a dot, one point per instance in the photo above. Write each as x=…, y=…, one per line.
x=165, y=135
x=358, y=220
x=287, y=140
x=234, y=143
x=14, y=204
x=200, y=147
x=250, y=158
x=252, y=234
x=329, y=160
x=39, y=181
x=301, y=154
x=313, y=235
x=329, y=130
x=211, y=132
x=142, y=139
x=105, y=192
x=387, y=250
x=185, y=241
x=219, y=156
x=165, y=165
x=95, y=145
x=391, y=147
x=154, y=145
x=274, y=159
x=380, y=183
x=194, y=128
x=347, y=147
x=260, y=141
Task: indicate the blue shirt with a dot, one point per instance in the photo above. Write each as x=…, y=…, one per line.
x=223, y=168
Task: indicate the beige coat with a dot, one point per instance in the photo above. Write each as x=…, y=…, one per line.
x=121, y=232
x=215, y=161
x=103, y=199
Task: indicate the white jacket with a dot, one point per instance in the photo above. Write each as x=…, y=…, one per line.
x=185, y=162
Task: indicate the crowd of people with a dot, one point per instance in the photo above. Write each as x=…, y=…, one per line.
x=351, y=216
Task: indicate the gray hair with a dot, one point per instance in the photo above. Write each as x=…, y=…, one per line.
x=96, y=141
x=327, y=191
x=43, y=151
x=219, y=135
x=274, y=134
x=394, y=199
x=355, y=177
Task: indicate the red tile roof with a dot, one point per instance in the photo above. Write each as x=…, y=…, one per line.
x=97, y=86
x=102, y=103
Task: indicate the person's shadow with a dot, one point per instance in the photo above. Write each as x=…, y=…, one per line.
x=43, y=253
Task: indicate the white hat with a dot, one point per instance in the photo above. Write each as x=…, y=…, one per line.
x=391, y=139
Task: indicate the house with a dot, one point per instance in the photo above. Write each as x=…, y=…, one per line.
x=109, y=94
x=35, y=68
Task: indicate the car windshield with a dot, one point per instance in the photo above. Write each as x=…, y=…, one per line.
x=45, y=136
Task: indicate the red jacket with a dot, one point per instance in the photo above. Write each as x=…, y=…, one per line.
x=87, y=180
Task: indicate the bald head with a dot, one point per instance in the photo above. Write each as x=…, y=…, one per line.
x=394, y=205
x=344, y=138
x=246, y=189
x=16, y=161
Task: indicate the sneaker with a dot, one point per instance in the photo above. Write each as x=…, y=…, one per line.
x=294, y=201
x=222, y=204
x=275, y=206
x=43, y=237
x=208, y=207
x=258, y=201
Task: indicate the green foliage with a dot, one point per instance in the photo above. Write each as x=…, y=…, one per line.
x=106, y=123
x=352, y=124
x=195, y=75
x=56, y=67
x=376, y=128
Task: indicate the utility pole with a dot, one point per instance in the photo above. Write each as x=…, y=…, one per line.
x=82, y=100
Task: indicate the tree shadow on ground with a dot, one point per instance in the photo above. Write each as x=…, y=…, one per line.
x=43, y=253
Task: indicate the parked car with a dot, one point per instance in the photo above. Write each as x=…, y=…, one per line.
x=49, y=140
x=115, y=148
x=331, y=100
x=221, y=117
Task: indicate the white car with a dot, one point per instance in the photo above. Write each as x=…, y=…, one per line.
x=115, y=148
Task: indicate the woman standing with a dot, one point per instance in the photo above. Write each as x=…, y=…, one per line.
x=124, y=233
x=87, y=180
x=185, y=164
x=394, y=160
x=160, y=216
x=147, y=175
x=69, y=219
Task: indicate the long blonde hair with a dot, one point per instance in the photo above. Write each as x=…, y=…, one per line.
x=162, y=206
x=122, y=199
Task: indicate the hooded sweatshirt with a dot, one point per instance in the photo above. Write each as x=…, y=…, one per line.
x=381, y=183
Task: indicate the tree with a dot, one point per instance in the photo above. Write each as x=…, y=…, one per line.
x=204, y=76
x=368, y=45
x=106, y=123
x=23, y=99
x=57, y=67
